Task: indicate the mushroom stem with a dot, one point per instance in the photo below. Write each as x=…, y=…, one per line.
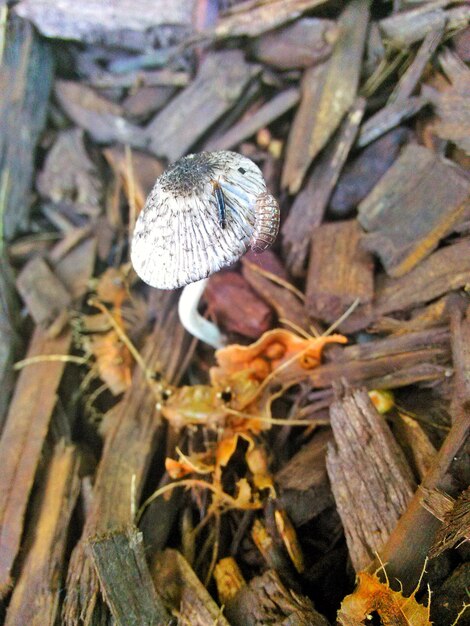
x=191, y=318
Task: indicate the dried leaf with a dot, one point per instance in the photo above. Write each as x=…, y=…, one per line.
x=373, y=597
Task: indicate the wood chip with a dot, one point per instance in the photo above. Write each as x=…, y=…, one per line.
x=314, y=126
x=409, y=80
x=27, y=424
x=131, y=436
x=110, y=24
x=9, y=333
x=23, y=437
x=125, y=581
x=255, y=18
x=413, y=187
x=69, y=175
x=407, y=27
x=177, y=583
x=360, y=175
x=211, y=95
x=415, y=443
x=236, y=307
x=44, y=294
x=390, y=116
x=98, y=116
x=35, y=599
x=309, y=206
x=26, y=78
x=286, y=303
x=247, y=127
x=369, y=476
x=265, y=599
x=305, y=490
x=340, y=270
x=304, y=43
x=452, y=104
x=455, y=515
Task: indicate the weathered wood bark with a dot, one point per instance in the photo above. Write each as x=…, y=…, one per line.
x=9, y=333
x=265, y=600
x=177, y=583
x=332, y=287
x=212, y=94
x=26, y=79
x=335, y=95
x=411, y=193
x=305, y=490
x=370, y=478
x=30, y=412
x=35, y=599
x=309, y=206
x=128, y=450
x=125, y=581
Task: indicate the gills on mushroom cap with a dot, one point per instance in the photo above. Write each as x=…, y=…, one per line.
x=202, y=215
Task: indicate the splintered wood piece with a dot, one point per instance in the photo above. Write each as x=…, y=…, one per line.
x=9, y=333
x=297, y=158
x=361, y=174
x=266, y=600
x=410, y=541
x=409, y=80
x=340, y=270
x=411, y=192
x=390, y=116
x=191, y=113
x=131, y=437
x=454, y=515
x=181, y=589
x=35, y=598
x=405, y=28
x=44, y=294
x=309, y=206
x=461, y=353
x=248, y=126
x=125, y=581
x=414, y=441
x=305, y=490
x=304, y=43
x=28, y=420
x=99, y=117
x=371, y=481
x=69, y=175
x=332, y=97
x=125, y=22
x=288, y=306
x=256, y=18
x=26, y=77
x=22, y=439
x=236, y=307
x=444, y=271
x=451, y=104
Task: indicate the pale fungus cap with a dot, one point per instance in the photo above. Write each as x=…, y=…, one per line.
x=180, y=237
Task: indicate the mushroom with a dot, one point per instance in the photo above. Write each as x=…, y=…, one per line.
x=202, y=214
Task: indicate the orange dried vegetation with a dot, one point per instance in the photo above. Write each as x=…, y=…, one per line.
x=374, y=597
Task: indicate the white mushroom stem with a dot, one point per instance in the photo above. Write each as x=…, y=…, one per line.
x=192, y=320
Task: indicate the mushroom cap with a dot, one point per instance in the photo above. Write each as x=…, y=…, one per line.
x=178, y=237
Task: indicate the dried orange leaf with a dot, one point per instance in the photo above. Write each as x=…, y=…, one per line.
x=273, y=349
x=113, y=360
x=373, y=597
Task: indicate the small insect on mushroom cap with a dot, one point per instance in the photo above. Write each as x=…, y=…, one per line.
x=202, y=214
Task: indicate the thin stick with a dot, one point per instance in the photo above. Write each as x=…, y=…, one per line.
x=340, y=320
x=63, y=358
